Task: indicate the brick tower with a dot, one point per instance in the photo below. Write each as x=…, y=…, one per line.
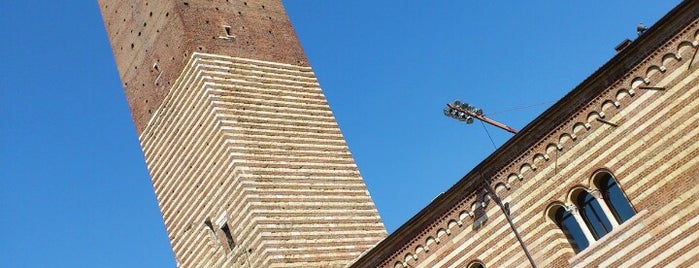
x=246, y=159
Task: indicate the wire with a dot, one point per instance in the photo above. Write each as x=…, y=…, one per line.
x=486, y=132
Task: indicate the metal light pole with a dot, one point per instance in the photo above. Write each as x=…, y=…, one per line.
x=506, y=212
x=464, y=112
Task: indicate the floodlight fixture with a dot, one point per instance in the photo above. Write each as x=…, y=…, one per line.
x=465, y=112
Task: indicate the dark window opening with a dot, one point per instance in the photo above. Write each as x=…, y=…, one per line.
x=229, y=237
x=571, y=229
x=208, y=223
x=476, y=264
x=614, y=198
x=592, y=214
x=228, y=30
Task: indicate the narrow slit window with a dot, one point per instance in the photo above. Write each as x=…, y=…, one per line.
x=209, y=224
x=229, y=238
x=156, y=68
x=228, y=30
x=212, y=231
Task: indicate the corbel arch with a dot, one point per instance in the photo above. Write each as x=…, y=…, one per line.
x=623, y=93
x=670, y=58
x=637, y=82
x=593, y=116
x=452, y=224
x=442, y=232
x=474, y=206
x=608, y=104
x=552, y=148
x=654, y=69
x=463, y=215
x=501, y=187
x=579, y=127
x=409, y=257
x=685, y=48
x=429, y=241
x=419, y=249
x=526, y=167
x=540, y=158
x=512, y=178
x=565, y=138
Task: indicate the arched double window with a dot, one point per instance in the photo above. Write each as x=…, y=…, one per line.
x=593, y=213
x=613, y=197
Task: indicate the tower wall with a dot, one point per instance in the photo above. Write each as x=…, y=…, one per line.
x=165, y=33
x=248, y=164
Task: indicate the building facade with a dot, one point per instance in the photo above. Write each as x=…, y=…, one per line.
x=248, y=164
x=251, y=170
x=607, y=177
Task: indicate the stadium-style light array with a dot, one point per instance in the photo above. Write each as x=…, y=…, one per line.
x=465, y=112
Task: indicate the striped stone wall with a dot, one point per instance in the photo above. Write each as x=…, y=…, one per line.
x=253, y=145
x=643, y=128
x=248, y=164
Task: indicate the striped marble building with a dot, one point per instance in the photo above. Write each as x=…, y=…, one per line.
x=248, y=164
x=251, y=170
x=606, y=177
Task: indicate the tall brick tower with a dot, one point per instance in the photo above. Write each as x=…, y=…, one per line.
x=247, y=161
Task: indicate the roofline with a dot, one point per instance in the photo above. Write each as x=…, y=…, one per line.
x=623, y=62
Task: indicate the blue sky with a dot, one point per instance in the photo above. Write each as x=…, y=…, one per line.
x=74, y=190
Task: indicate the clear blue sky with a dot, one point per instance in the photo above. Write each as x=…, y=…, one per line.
x=74, y=190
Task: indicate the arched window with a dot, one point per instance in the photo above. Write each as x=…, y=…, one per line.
x=475, y=264
x=573, y=232
x=592, y=214
x=614, y=198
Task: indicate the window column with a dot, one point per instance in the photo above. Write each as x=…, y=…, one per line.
x=603, y=204
x=573, y=210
